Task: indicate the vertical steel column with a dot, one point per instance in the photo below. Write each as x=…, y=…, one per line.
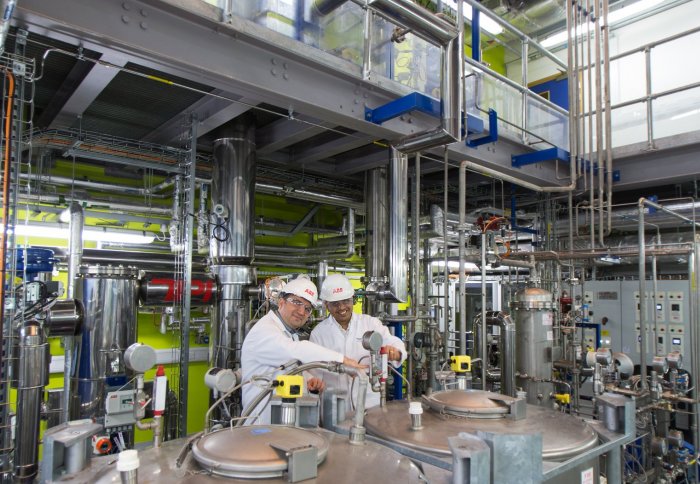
x=446, y=270
x=650, y=108
x=398, y=225
x=188, y=232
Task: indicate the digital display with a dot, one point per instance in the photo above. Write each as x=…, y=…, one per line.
x=659, y=307
x=675, y=307
x=676, y=341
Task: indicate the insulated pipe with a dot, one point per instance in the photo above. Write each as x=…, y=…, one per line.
x=33, y=376
x=608, y=114
x=324, y=7
x=377, y=198
x=74, y=291
x=300, y=194
x=419, y=20
x=470, y=165
x=694, y=279
x=451, y=40
x=416, y=294
x=483, y=310
x=398, y=225
x=599, y=127
x=507, y=342
x=446, y=279
x=106, y=187
x=462, y=276
x=350, y=228
x=95, y=203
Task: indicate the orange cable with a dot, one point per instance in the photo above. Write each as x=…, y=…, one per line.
x=5, y=200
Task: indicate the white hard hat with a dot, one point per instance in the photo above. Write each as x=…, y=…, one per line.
x=336, y=287
x=302, y=287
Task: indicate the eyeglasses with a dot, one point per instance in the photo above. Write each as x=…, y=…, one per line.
x=307, y=309
x=338, y=304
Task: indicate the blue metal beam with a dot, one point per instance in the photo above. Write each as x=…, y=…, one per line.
x=555, y=153
x=493, y=132
x=413, y=102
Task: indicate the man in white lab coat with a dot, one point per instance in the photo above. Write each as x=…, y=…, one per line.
x=273, y=341
x=342, y=331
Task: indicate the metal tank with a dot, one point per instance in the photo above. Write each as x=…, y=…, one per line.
x=110, y=301
x=448, y=413
x=532, y=310
x=259, y=454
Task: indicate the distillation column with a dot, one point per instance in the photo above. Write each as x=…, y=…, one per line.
x=232, y=242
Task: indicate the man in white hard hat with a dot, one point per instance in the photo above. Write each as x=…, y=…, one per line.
x=342, y=331
x=273, y=341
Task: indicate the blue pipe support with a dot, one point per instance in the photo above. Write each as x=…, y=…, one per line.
x=489, y=138
x=415, y=101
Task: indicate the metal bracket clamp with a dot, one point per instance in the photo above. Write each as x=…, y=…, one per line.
x=302, y=461
x=471, y=459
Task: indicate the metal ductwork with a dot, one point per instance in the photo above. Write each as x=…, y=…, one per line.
x=232, y=232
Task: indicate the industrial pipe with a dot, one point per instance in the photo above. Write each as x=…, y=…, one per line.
x=398, y=225
x=507, y=344
x=33, y=377
x=74, y=291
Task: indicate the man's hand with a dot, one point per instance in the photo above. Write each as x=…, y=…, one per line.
x=393, y=354
x=315, y=385
x=349, y=362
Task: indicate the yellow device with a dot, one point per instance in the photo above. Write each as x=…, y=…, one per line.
x=563, y=398
x=289, y=386
x=461, y=363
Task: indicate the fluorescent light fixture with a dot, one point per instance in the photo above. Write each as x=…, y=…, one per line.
x=485, y=22
x=613, y=17
x=93, y=234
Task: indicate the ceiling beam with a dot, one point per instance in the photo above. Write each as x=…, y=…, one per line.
x=286, y=132
x=96, y=80
x=211, y=111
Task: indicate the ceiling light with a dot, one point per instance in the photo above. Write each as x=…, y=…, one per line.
x=613, y=17
x=486, y=23
x=93, y=234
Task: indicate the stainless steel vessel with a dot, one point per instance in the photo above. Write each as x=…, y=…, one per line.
x=110, y=304
x=344, y=463
x=532, y=310
x=456, y=411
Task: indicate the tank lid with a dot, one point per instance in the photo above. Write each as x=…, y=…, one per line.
x=257, y=452
x=532, y=298
x=470, y=403
x=108, y=271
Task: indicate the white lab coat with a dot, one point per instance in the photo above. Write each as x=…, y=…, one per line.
x=269, y=345
x=330, y=334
